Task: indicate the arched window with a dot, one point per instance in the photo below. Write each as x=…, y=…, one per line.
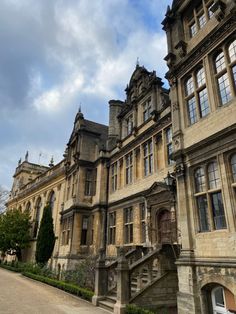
x=201, y=80
x=189, y=87
x=37, y=216
x=213, y=176
x=28, y=207
x=200, y=182
x=232, y=51
x=233, y=167
x=51, y=200
x=220, y=62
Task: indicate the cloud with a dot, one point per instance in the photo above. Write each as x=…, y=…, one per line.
x=57, y=54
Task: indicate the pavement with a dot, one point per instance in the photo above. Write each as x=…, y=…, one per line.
x=21, y=295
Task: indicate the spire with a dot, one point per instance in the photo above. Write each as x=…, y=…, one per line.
x=79, y=114
x=51, y=164
x=26, y=155
x=19, y=162
x=137, y=62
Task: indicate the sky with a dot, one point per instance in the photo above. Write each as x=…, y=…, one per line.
x=59, y=54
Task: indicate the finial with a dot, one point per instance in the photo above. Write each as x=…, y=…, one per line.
x=137, y=62
x=19, y=162
x=79, y=108
x=168, y=9
x=26, y=155
x=51, y=164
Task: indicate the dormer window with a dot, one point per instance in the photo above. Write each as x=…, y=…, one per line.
x=147, y=109
x=200, y=16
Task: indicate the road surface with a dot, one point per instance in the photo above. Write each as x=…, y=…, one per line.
x=20, y=295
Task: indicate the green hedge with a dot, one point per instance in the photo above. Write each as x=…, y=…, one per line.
x=133, y=309
x=76, y=290
x=8, y=267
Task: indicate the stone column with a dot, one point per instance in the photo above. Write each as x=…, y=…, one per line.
x=100, y=278
x=123, y=283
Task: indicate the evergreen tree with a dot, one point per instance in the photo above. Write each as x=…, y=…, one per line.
x=46, y=238
x=14, y=231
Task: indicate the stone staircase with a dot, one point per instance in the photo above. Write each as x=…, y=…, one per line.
x=140, y=277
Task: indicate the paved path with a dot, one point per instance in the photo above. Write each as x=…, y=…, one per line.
x=20, y=295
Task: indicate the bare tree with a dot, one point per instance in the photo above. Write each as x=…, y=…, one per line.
x=4, y=194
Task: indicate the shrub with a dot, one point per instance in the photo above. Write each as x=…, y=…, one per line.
x=83, y=275
x=133, y=309
x=76, y=290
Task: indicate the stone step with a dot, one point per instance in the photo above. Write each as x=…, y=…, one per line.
x=111, y=298
x=106, y=305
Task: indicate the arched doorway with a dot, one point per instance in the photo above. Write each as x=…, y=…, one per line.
x=164, y=227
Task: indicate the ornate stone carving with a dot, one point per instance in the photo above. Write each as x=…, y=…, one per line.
x=181, y=48
x=175, y=106
x=179, y=169
x=218, y=9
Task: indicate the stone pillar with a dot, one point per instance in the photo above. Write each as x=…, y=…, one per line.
x=100, y=278
x=123, y=283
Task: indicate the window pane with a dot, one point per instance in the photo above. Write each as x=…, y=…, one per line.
x=189, y=88
x=233, y=166
x=200, y=180
x=224, y=88
x=203, y=102
x=219, y=297
x=201, y=77
x=202, y=20
x=234, y=74
x=220, y=62
x=202, y=212
x=192, y=111
x=232, y=51
x=193, y=29
x=218, y=211
x=213, y=176
x=210, y=13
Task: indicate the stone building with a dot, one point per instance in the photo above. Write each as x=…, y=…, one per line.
x=158, y=211
x=202, y=75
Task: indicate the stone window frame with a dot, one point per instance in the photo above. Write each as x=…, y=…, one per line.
x=84, y=230
x=169, y=145
x=92, y=229
x=129, y=160
x=148, y=157
x=227, y=69
x=112, y=228
x=147, y=109
x=128, y=225
x=205, y=196
x=193, y=88
x=129, y=121
x=90, y=182
x=200, y=16
x=66, y=230
x=114, y=176
x=143, y=222
x=68, y=190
